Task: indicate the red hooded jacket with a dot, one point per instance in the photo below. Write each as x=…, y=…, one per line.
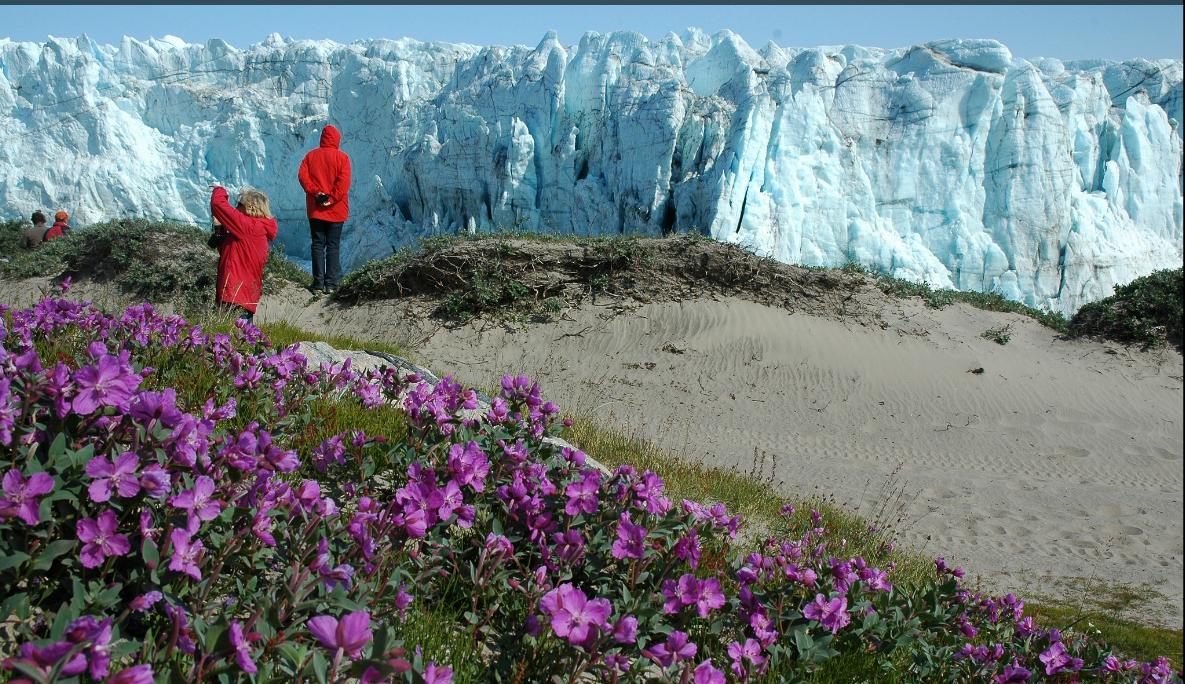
x=242, y=253
x=58, y=230
x=327, y=170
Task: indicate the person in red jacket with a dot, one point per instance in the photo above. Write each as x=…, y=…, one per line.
x=59, y=228
x=325, y=177
x=247, y=229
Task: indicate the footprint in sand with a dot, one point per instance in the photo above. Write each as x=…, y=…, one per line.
x=939, y=493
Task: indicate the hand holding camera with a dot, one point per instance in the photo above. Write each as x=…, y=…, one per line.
x=323, y=199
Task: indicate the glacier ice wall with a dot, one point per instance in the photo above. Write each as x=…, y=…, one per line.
x=951, y=162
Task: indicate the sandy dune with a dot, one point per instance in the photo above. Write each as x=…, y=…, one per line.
x=1059, y=466
x=1056, y=468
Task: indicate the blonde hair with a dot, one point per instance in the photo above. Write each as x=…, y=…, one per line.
x=253, y=202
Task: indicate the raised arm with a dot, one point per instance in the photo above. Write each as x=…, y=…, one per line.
x=228, y=216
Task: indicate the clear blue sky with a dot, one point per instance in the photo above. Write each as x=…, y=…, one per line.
x=1065, y=32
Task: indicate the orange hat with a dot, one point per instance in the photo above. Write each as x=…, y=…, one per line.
x=61, y=216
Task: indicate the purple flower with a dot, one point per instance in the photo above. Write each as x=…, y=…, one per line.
x=708, y=596
x=630, y=538
x=187, y=553
x=43, y=659
x=341, y=576
x=616, y=662
x=197, y=500
x=332, y=451
x=351, y=634
x=8, y=408
x=497, y=544
x=739, y=653
x=679, y=593
x=469, y=465
x=626, y=630
x=156, y=406
x=434, y=674
x=706, y=673
x=833, y=614
x=876, y=580
x=242, y=648
x=1055, y=658
x=140, y=674
x=573, y=615
x=677, y=648
x=119, y=475
x=21, y=496
x=145, y=601
x=688, y=548
x=189, y=440
x=569, y=545
x=96, y=635
x=402, y=601
x=155, y=481
x=582, y=495
x=1013, y=674
x=450, y=500
x=110, y=382
x=100, y=539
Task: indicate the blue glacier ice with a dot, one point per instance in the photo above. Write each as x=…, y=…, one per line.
x=952, y=162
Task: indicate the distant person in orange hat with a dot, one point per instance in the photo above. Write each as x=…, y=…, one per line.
x=60, y=227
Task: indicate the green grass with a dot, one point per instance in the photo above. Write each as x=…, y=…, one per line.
x=746, y=494
x=1000, y=335
x=943, y=297
x=760, y=504
x=1132, y=639
x=282, y=334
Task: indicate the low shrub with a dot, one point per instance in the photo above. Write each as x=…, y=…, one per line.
x=1147, y=311
x=156, y=261
x=12, y=239
x=185, y=506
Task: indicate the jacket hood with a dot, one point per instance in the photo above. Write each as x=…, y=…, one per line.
x=330, y=137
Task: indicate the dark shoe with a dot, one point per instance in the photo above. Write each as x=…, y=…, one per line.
x=316, y=290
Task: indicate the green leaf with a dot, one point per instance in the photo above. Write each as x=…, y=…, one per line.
x=13, y=559
x=214, y=635
x=52, y=550
x=151, y=553
x=803, y=641
x=320, y=667
x=292, y=654
x=62, y=619
x=80, y=457
x=30, y=671
x=124, y=648
x=17, y=604
x=57, y=448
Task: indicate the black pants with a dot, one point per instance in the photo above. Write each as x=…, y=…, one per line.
x=327, y=238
